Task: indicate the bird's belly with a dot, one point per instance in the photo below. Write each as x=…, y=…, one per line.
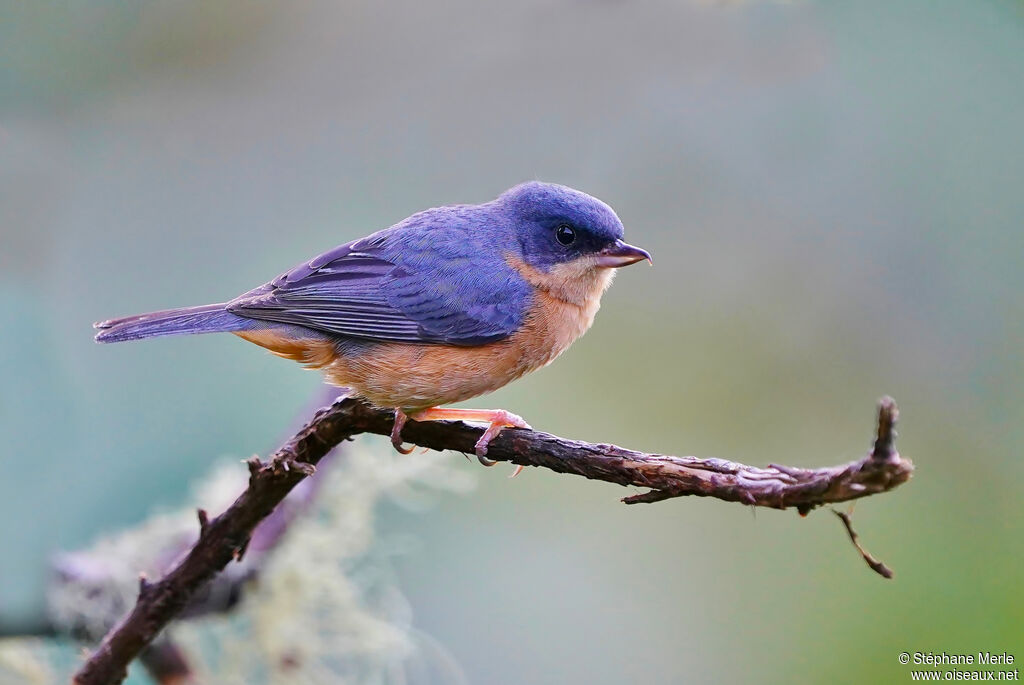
x=417, y=376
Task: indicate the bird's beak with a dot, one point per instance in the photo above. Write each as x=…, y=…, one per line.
x=621, y=254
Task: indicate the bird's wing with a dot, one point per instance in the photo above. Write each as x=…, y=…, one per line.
x=369, y=289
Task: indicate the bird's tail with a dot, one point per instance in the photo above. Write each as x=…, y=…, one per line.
x=211, y=318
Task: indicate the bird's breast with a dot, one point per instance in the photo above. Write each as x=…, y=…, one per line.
x=565, y=301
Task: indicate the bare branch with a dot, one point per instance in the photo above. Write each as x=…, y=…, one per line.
x=226, y=536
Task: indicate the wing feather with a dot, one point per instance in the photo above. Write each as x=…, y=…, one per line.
x=369, y=289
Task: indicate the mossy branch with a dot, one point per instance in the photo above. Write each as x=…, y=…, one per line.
x=226, y=537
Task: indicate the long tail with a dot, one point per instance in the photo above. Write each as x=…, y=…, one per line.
x=211, y=318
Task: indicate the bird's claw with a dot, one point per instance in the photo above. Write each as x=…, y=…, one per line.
x=500, y=419
x=396, y=433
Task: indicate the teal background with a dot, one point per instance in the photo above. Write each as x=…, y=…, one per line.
x=832, y=193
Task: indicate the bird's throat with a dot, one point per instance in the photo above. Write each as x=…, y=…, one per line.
x=579, y=282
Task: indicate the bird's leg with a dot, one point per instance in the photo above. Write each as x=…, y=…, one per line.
x=396, y=432
x=497, y=418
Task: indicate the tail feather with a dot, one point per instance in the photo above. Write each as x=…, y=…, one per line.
x=211, y=318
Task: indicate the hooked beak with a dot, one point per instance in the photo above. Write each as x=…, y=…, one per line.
x=621, y=254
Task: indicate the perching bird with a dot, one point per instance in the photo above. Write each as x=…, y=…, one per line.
x=451, y=303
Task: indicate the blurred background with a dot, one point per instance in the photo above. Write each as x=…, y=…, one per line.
x=832, y=195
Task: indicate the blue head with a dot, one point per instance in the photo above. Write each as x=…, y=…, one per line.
x=558, y=225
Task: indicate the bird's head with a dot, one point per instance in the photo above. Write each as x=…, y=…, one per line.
x=564, y=229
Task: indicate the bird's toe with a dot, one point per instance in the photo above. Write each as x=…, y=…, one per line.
x=396, y=433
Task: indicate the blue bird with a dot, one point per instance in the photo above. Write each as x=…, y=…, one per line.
x=451, y=303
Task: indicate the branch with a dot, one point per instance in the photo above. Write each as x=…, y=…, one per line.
x=225, y=537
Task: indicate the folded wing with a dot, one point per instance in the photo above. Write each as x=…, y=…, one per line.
x=372, y=289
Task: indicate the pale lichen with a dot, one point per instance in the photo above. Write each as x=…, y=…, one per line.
x=327, y=608
x=321, y=606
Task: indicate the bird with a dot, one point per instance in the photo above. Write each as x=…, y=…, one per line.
x=448, y=304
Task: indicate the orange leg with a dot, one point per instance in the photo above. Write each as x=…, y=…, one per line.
x=496, y=418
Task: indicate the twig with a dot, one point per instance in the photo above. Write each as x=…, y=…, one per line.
x=876, y=565
x=226, y=536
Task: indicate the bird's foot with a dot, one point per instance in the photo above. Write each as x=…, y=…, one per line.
x=396, y=432
x=496, y=418
x=499, y=419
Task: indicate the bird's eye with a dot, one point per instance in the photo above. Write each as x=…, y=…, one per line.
x=565, y=234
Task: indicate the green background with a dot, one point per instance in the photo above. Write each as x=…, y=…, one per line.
x=833, y=196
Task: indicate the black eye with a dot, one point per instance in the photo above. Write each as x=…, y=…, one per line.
x=565, y=234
